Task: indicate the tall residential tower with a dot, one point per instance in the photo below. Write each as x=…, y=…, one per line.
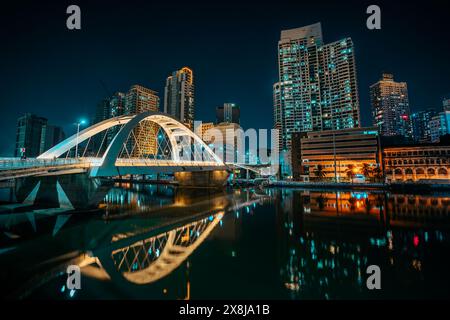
x=179, y=96
x=317, y=88
x=390, y=107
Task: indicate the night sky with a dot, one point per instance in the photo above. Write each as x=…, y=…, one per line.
x=231, y=46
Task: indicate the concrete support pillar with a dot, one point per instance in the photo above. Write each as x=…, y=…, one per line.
x=210, y=179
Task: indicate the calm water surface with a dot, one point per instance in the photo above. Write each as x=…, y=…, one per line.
x=158, y=242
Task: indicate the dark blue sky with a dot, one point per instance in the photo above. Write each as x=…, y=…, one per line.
x=231, y=46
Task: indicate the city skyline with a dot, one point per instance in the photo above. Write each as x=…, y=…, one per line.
x=225, y=151
x=216, y=80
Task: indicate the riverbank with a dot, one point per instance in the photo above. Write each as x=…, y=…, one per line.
x=406, y=187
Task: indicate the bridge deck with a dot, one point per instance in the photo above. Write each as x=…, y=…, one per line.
x=11, y=168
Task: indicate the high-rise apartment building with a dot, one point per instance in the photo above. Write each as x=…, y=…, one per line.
x=137, y=100
x=117, y=104
x=390, y=107
x=446, y=104
x=317, y=87
x=420, y=125
x=29, y=135
x=50, y=136
x=35, y=136
x=179, y=96
x=107, y=108
x=440, y=126
x=229, y=113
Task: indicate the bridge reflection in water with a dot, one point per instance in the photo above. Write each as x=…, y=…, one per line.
x=144, y=233
x=152, y=241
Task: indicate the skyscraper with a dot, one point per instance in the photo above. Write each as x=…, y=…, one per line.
x=179, y=96
x=117, y=104
x=420, y=125
x=140, y=99
x=107, y=108
x=440, y=126
x=102, y=110
x=446, y=104
x=50, y=136
x=317, y=87
x=229, y=112
x=29, y=135
x=390, y=107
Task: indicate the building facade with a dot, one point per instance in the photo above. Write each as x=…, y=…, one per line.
x=420, y=125
x=50, y=137
x=440, y=126
x=390, y=107
x=140, y=99
x=229, y=112
x=223, y=140
x=317, y=87
x=179, y=96
x=446, y=104
x=201, y=128
x=330, y=155
x=417, y=162
x=29, y=134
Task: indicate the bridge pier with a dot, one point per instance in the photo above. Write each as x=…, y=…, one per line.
x=81, y=191
x=210, y=179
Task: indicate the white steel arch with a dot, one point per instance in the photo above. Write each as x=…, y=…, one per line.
x=172, y=255
x=172, y=127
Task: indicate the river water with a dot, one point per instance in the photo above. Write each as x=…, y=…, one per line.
x=160, y=242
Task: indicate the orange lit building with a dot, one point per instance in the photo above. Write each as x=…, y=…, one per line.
x=417, y=163
x=328, y=155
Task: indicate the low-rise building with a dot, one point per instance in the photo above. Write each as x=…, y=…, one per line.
x=417, y=162
x=337, y=155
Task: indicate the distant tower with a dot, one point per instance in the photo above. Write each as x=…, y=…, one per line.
x=420, y=125
x=50, y=137
x=229, y=113
x=446, y=104
x=29, y=134
x=390, y=107
x=179, y=96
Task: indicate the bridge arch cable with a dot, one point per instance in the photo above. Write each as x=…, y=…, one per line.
x=151, y=259
x=148, y=136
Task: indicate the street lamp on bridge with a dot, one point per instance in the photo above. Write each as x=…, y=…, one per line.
x=81, y=122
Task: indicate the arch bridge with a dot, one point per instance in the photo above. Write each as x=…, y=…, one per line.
x=145, y=143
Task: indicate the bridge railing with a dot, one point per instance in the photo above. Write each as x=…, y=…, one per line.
x=18, y=163
x=165, y=163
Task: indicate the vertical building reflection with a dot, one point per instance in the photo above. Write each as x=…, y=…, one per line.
x=326, y=240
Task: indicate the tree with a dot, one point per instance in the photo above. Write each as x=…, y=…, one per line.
x=350, y=172
x=352, y=202
x=378, y=173
x=321, y=201
x=367, y=205
x=319, y=172
x=366, y=170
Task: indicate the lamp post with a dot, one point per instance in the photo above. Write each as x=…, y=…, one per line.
x=78, y=132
